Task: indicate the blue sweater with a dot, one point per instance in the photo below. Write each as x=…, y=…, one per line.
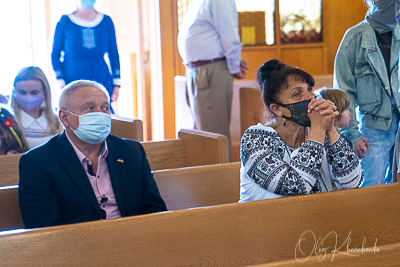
x=83, y=51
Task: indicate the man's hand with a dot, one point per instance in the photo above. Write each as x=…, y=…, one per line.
x=360, y=147
x=243, y=70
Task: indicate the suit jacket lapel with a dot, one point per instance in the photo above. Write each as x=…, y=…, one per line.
x=116, y=163
x=75, y=170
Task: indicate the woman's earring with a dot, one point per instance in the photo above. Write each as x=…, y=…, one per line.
x=284, y=122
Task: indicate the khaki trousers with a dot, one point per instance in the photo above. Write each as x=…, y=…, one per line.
x=209, y=93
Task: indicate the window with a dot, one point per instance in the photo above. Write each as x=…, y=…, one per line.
x=300, y=21
x=182, y=8
x=256, y=21
x=25, y=41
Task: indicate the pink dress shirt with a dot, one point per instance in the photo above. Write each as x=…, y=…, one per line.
x=101, y=182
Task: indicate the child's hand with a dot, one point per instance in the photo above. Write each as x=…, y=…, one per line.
x=360, y=147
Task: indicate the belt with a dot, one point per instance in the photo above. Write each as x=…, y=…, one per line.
x=203, y=62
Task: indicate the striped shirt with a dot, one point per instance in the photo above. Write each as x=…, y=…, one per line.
x=209, y=31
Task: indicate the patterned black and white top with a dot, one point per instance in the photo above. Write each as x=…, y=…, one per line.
x=270, y=168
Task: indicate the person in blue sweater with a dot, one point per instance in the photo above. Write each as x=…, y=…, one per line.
x=81, y=40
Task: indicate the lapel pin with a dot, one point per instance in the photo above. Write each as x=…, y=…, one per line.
x=120, y=160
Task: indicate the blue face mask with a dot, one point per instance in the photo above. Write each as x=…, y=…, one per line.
x=299, y=112
x=87, y=4
x=93, y=127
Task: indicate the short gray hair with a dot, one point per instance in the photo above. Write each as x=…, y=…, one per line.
x=69, y=89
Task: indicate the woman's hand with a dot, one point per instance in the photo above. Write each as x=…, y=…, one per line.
x=321, y=113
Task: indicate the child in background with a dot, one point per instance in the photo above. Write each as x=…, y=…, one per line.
x=11, y=139
x=342, y=103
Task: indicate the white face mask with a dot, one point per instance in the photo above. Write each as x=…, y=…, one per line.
x=93, y=127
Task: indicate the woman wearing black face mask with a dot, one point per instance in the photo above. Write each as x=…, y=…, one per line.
x=298, y=151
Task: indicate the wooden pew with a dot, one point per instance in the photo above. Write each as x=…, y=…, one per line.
x=387, y=255
x=9, y=169
x=10, y=217
x=200, y=186
x=251, y=108
x=239, y=234
x=193, y=148
x=182, y=188
x=126, y=127
x=323, y=81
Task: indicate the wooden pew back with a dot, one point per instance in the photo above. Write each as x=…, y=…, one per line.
x=200, y=186
x=180, y=188
x=193, y=148
x=251, y=108
x=127, y=128
x=239, y=234
x=9, y=209
x=387, y=255
x=9, y=169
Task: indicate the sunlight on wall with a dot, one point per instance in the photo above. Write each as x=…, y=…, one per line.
x=18, y=42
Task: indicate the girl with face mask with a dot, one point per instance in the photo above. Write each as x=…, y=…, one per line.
x=366, y=68
x=31, y=103
x=81, y=40
x=298, y=151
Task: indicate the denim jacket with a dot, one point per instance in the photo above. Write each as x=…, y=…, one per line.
x=360, y=71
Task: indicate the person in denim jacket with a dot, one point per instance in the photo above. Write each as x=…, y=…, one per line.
x=366, y=68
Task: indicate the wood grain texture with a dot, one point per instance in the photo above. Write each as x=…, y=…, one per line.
x=388, y=255
x=323, y=80
x=9, y=210
x=251, y=108
x=200, y=186
x=127, y=128
x=9, y=169
x=228, y=235
x=204, y=148
x=193, y=149
x=181, y=188
x=165, y=154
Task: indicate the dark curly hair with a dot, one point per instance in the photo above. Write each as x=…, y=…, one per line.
x=273, y=77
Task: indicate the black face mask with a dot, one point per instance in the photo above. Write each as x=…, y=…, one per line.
x=299, y=112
